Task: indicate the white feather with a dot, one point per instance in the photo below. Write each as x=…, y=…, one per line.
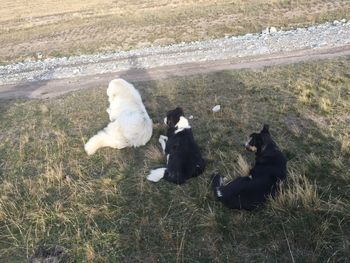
x=216, y=108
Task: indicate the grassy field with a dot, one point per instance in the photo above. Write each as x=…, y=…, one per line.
x=39, y=29
x=102, y=208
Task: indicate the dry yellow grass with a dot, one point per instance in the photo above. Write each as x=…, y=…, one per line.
x=243, y=166
x=38, y=29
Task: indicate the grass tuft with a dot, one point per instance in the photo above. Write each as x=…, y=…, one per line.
x=243, y=166
x=298, y=193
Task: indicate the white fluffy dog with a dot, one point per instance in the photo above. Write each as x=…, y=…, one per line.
x=130, y=124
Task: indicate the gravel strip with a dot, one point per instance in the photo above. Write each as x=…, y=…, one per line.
x=270, y=41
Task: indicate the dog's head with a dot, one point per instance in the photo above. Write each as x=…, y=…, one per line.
x=121, y=89
x=257, y=142
x=173, y=117
x=112, y=91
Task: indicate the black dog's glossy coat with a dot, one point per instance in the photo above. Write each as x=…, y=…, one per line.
x=185, y=160
x=269, y=170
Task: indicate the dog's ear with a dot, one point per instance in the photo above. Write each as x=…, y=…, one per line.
x=173, y=116
x=180, y=111
x=265, y=129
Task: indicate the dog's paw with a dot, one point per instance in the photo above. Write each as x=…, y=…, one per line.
x=89, y=149
x=216, y=183
x=162, y=140
x=156, y=175
x=216, y=180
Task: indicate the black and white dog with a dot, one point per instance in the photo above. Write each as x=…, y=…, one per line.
x=269, y=170
x=184, y=159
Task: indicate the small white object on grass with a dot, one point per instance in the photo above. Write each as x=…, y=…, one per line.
x=190, y=117
x=156, y=174
x=216, y=108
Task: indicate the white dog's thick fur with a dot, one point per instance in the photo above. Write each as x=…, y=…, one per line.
x=130, y=124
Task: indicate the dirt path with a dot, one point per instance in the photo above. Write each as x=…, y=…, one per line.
x=56, y=87
x=53, y=77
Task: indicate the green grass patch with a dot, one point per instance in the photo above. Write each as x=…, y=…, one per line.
x=102, y=208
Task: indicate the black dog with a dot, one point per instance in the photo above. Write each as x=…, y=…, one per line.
x=183, y=156
x=269, y=170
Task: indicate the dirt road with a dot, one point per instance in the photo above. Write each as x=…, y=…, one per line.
x=53, y=77
x=56, y=87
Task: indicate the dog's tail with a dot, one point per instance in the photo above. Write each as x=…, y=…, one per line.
x=101, y=139
x=156, y=174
